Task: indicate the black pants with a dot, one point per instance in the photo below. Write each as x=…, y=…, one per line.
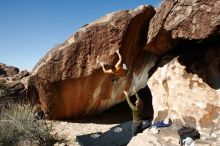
x=136, y=127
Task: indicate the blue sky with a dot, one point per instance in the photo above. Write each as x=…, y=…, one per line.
x=29, y=28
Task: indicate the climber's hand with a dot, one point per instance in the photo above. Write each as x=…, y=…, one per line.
x=126, y=93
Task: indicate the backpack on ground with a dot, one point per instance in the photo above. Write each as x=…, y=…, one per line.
x=185, y=132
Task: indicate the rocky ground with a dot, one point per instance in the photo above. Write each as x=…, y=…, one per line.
x=69, y=129
x=166, y=136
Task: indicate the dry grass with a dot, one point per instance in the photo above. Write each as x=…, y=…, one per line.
x=17, y=124
x=2, y=85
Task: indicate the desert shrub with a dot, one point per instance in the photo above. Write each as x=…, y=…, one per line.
x=2, y=84
x=17, y=123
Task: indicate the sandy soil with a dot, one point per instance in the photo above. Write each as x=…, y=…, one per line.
x=103, y=122
x=69, y=129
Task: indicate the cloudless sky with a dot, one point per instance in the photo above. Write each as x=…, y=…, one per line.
x=29, y=28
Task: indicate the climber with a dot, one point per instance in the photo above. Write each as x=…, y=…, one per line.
x=116, y=69
x=137, y=113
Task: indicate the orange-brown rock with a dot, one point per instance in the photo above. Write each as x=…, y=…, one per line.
x=182, y=20
x=70, y=82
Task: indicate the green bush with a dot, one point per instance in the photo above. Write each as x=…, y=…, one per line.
x=17, y=123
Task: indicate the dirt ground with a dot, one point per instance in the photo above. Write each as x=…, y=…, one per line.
x=102, y=123
x=69, y=129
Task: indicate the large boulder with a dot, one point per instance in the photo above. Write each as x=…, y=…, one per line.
x=69, y=82
x=20, y=75
x=2, y=72
x=14, y=88
x=182, y=20
x=186, y=88
x=13, y=84
x=186, y=82
x=8, y=71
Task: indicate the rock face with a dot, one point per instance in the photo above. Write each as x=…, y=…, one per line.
x=166, y=137
x=186, y=88
x=68, y=80
x=182, y=19
x=13, y=84
x=185, y=83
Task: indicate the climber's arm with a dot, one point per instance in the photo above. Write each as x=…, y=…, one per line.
x=136, y=94
x=128, y=100
x=118, y=64
x=105, y=70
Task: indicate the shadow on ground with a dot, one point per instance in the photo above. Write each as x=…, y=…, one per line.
x=117, y=114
